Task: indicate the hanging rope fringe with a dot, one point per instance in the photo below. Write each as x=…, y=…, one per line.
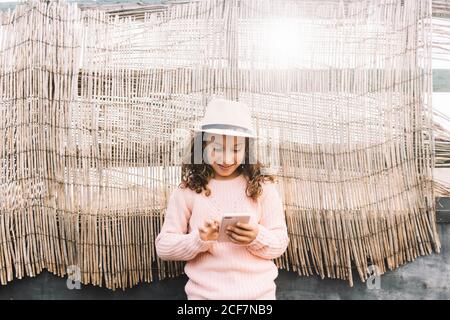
x=96, y=108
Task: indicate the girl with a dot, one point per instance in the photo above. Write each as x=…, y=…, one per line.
x=224, y=181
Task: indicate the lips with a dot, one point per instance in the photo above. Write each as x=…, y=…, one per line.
x=224, y=167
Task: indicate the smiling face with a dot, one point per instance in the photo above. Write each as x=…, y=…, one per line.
x=225, y=154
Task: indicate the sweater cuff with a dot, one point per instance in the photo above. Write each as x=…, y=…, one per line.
x=200, y=245
x=262, y=239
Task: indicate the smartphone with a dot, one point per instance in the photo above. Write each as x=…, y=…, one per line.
x=231, y=219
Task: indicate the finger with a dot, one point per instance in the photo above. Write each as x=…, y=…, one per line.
x=241, y=232
x=238, y=238
x=245, y=226
x=239, y=241
x=234, y=241
x=214, y=228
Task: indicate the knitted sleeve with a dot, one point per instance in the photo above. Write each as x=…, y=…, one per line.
x=272, y=239
x=173, y=242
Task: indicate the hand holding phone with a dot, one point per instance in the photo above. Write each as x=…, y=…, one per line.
x=231, y=219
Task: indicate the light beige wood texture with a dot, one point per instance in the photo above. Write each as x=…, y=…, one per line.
x=95, y=109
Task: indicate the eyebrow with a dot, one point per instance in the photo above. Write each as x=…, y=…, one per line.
x=237, y=145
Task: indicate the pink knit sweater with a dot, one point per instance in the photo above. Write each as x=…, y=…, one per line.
x=222, y=270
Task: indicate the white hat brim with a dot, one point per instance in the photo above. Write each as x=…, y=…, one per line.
x=227, y=132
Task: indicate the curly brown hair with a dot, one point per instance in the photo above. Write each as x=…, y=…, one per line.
x=196, y=176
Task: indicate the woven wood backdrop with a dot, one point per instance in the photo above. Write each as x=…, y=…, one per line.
x=96, y=108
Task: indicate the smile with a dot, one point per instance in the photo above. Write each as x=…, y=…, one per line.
x=224, y=167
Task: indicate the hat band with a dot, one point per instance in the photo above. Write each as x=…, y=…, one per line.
x=226, y=127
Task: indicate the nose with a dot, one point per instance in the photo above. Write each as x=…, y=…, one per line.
x=227, y=159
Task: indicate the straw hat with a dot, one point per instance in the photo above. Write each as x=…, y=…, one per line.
x=227, y=117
